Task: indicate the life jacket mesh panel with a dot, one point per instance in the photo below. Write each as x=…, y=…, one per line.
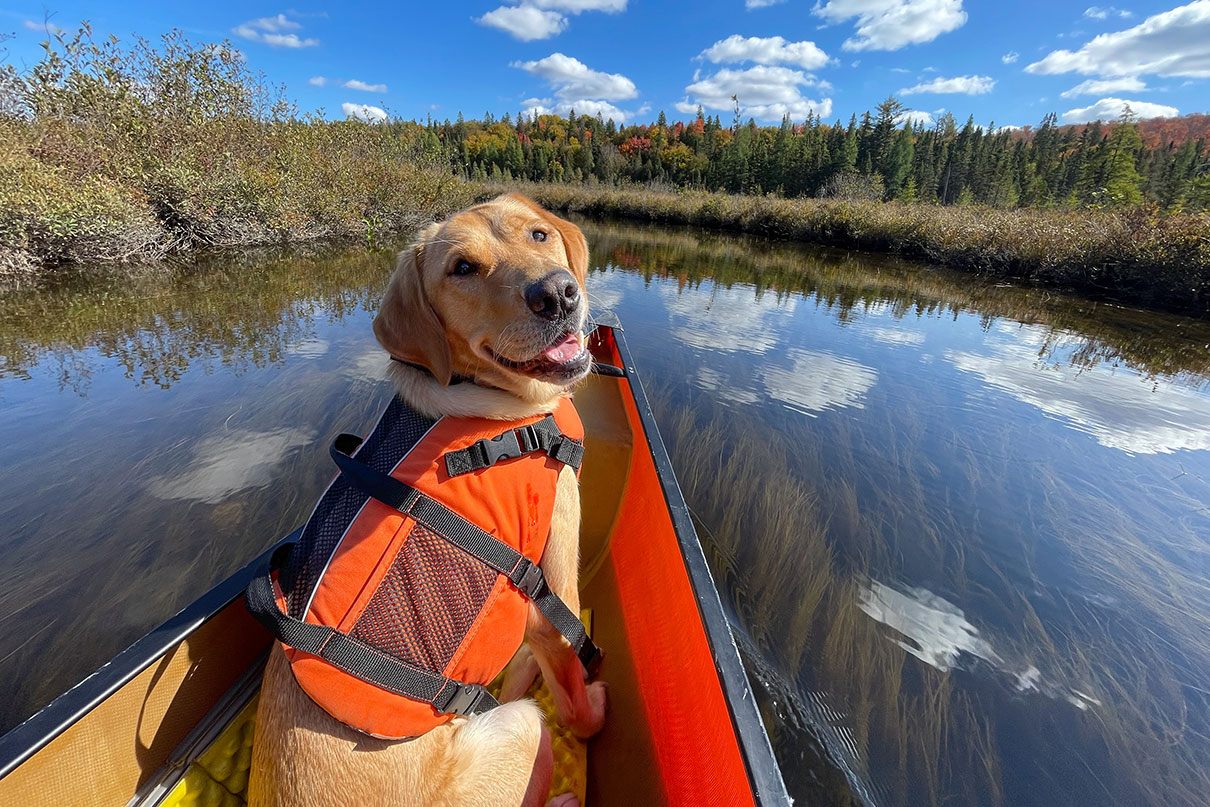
x=399, y=429
x=426, y=602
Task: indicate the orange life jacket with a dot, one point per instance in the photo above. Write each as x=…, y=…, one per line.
x=409, y=586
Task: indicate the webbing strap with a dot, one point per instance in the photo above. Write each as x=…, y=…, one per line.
x=358, y=658
x=470, y=538
x=544, y=435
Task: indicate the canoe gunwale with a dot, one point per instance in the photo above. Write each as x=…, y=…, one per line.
x=768, y=787
x=31, y=736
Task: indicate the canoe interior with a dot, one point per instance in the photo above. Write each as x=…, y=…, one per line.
x=674, y=730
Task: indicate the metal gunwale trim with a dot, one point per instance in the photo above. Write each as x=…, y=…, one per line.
x=764, y=773
x=26, y=739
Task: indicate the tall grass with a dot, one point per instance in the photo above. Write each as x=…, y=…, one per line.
x=114, y=150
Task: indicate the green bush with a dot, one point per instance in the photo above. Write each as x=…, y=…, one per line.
x=113, y=150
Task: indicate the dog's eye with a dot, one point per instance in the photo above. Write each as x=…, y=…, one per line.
x=539, y=236
x=463, y=268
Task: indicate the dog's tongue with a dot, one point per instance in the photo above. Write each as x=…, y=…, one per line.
x=565, y=350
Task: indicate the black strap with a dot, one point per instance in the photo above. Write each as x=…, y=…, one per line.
x=470, y=538
x=358, y=658
x=541, y=436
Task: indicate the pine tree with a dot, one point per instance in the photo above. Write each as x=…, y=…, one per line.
x=1121, y=179
x=897, y=166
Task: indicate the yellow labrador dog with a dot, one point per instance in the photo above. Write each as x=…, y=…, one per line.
x=494, y=294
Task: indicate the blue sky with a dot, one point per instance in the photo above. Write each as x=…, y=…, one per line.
x=1004, y=62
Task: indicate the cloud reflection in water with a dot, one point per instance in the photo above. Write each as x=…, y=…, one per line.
x=817, y=381
x=230, y=462
x=1118, y=408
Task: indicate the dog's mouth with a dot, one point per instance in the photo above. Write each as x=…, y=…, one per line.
x=563, y=360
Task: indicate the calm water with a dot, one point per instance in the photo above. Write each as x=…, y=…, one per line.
x=962, y=529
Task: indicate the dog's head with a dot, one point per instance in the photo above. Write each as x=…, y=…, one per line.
x=495, y=293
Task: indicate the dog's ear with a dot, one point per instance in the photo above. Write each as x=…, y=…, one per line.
x=406, y=325
x=576, y=247
x=573, y=240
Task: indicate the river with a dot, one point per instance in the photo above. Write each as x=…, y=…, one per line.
x=961, y=529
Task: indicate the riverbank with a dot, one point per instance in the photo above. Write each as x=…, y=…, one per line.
x=1132, y=255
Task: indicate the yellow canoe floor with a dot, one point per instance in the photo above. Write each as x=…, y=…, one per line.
x=219, y=776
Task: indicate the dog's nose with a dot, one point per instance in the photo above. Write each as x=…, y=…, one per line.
x=554, y=296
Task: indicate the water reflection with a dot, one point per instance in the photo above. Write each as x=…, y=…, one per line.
x=726, y=320
x=815, y=381
x=1046, y=636
x=934, y=629
x=947, y=591
x=1120, y=410
x=893, y=336
x=230, y=462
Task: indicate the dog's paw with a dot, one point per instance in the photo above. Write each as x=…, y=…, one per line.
x=598, y=703
x=564, y=800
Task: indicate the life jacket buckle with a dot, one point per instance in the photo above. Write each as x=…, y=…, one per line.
x=528, y=577
x=468, y=699
x=505, y=446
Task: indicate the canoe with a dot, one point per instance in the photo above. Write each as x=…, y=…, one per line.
x=168, y=720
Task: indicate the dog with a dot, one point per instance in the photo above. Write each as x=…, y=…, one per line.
x=492, y=299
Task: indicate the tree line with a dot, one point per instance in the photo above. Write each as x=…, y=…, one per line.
x=879, y=155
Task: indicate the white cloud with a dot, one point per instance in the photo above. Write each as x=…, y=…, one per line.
x=963, y=85
x=766, y=93
x=1112, y=108
x=44, y=27
x=365, y=112
x=272, y=31
x=751, y=4
x=542, y=19
x=1098, y=13
x=1169, y=44
x=526, y=23
x=531, y=107
x=817, y=381
x=570, y=78
x=1010, y=57
x=351, y=84
x=765, y=50
x=354, y=84
x=577, y=6
x=1101, y=87
x=892, y=24
x=914, y=116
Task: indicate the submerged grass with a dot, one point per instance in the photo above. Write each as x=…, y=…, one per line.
x=1082, y=591
x=1111, y=719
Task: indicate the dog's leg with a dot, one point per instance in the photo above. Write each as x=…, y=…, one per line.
x=498, y=759
x=580, y=706
x=519, y=674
